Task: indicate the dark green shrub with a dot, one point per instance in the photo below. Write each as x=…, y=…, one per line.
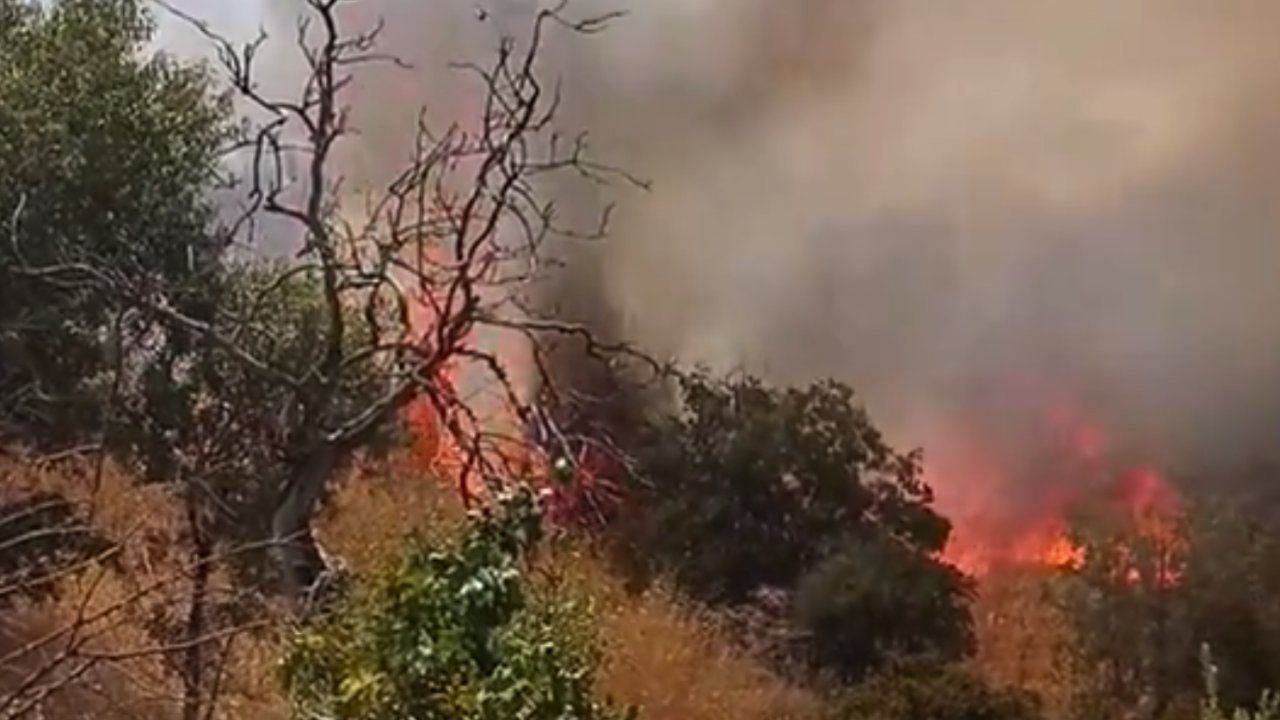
x=749, y=486
x=878, y=599
x=794, y=493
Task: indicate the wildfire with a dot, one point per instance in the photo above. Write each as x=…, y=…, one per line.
x=1062, y=553
x=1078, y=467
x=457, y=446
x=578, y=488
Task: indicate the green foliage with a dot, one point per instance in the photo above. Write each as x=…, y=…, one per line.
x=216, y=427
x=453, y=633
x=280, y=315
x=878, y=599
x=756, y=488
x=752, y=485
x=925, y=690
x=106, y=158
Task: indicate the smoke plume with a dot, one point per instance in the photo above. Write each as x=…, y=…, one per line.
x=969, y=210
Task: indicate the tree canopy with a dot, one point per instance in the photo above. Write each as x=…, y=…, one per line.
x=751, y=485
x=751, y=489
x=877, y=599
x=107, y=158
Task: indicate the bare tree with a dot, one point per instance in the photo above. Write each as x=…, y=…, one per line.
x=452, y=244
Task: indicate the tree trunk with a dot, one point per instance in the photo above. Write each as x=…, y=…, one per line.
x=193, y=661
x=299, y=558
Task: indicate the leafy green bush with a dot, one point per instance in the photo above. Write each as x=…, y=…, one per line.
x=926, y=690
x=453, y=633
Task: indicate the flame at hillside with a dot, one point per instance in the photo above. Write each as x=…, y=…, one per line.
x=489, y=437
x=1078, y=466
x=577, y=490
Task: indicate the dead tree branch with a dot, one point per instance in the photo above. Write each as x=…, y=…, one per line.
x=445, y=250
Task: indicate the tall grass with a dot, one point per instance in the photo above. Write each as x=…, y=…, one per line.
x=661, y=654
x=674, y=661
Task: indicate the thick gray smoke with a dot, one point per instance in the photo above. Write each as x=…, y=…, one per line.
x=971, y=211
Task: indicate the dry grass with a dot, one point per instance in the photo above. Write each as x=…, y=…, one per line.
x=91, y=638
x=661, y=655
x=378, y=506
x=671, y=660
x=35, y=641
x=370, y=515
x=1025, y=640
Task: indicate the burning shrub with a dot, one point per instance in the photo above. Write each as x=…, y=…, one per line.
x=1129, y=616
x=1118, y=631
x=453, y=633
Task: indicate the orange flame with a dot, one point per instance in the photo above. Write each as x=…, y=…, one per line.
x=584, y=495
x=1063, y=554
x=993, y=529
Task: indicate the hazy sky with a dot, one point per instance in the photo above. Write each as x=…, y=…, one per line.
x=236, y=18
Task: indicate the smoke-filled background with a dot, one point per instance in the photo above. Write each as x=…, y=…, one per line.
x=983, y=214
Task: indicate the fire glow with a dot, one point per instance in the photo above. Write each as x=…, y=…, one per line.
x=995, y=526
x=461, y=448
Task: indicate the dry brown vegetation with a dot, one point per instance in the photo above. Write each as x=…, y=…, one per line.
x=673, y=660
x=666, y=657
x=88, y=644
x=1024, y=639
x=662, y=653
